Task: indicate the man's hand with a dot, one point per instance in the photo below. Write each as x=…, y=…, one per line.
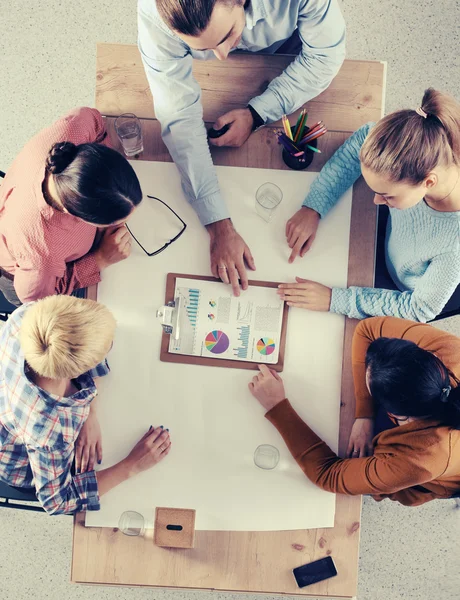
x=267, y=387
x=306, y=294
x=88, y=448
x=360, y=443
x=240, y=121
x=301, y=231
x=228, y=255
x=114, y=247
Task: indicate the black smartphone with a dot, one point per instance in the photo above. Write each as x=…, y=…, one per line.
x=217, y=133
x=315, y=571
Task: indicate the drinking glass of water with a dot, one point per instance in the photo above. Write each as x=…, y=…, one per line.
x=129, y=131
x=268, y=196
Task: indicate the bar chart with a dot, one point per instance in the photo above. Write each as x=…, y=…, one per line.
x=243, y=338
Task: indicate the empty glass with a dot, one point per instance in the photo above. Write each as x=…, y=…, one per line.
x=268, y=197
x=266, y=456
x=131, y=523
x=129, y=131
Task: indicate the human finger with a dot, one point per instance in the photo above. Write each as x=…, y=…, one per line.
x=223, y=120
x=84, y=459
x=275, y=374
x=222, y=271
x=298, y=304
x=308, y=245
x=164, y=446
x=121, y=236
x=264, y=370
x=291, y=286
x=296, y=249
x=243, y=276
x=289, y=225
x=295, y=295
x=249, y=258
x=350, y=448
x=164, y=435
x=234, y=280
x=78, y=453
x=99, y=452
x=91, y=458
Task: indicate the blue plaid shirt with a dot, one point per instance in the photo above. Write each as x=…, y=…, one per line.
x=38, y=430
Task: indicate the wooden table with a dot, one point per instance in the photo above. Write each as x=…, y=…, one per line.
x=244, y=561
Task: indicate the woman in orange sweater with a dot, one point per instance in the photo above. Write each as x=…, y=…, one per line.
x=403, y=370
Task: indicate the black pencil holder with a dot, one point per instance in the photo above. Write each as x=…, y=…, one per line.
x=301, y=162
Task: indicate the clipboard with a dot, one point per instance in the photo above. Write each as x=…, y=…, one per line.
x=166, y=356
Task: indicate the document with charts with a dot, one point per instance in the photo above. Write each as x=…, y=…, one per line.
x=215, y=324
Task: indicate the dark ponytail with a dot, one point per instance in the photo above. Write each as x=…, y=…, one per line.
x=409, y=381
x=93, y=182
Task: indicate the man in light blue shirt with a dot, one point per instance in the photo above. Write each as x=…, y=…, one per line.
x=172, y=33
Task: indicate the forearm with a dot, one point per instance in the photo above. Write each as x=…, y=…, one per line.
x=322, y=32
x=338, y=174
x=109, y=478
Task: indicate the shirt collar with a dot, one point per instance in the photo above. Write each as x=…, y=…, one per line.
x=255, y=12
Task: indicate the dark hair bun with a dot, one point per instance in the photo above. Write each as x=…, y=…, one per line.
x=60, y=156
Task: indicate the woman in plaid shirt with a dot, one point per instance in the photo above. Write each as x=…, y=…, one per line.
x=50, y=353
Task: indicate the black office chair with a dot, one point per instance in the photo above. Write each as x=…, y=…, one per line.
x=12, y=498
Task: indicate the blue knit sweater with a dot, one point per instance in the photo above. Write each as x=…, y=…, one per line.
x=422, y=247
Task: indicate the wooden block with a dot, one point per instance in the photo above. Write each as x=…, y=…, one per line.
x=174, y=527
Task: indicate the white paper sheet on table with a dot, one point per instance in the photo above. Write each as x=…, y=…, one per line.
x=215, y=423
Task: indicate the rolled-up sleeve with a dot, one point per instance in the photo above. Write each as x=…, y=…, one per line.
x=177, y=101
x=322, y=32
x=58, y=491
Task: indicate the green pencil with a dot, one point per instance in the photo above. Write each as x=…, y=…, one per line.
x=313, y=148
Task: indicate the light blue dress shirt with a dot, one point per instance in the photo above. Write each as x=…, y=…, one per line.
x=177, y=95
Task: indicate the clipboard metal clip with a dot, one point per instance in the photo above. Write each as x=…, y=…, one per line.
x=169, y=317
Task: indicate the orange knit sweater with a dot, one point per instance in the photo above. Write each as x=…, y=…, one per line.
x=413, y=463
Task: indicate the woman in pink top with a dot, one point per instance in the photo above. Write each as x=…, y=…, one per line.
x=64, y=185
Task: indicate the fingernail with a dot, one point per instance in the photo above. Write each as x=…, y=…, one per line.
x=150, y=427
x=167, y=430
x=161, y=426
x=99, y=462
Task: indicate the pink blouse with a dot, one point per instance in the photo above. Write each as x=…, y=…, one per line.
x=47, y=251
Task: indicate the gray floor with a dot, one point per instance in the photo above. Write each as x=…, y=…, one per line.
x=47, y=52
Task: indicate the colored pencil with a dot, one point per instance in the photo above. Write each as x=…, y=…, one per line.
x=287, y=127
x=313, y=148
x=288, y=142
x=313, y=129
x=300, y=126
x=312, y=137
x=310, y=134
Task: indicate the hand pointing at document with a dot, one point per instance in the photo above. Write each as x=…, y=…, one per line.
x=229, y=255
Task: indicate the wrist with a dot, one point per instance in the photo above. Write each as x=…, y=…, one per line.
x=127, y=468
x=257, y=120
x=305, y=208
x=220, y=228
x=100, y=261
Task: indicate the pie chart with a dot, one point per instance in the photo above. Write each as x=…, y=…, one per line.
x=217, y=342
x=266, y=346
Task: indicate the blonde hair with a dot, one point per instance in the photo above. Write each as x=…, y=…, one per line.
x=63, y=336
x=406, y=146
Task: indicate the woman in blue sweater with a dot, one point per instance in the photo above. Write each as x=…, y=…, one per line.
x=411, y=160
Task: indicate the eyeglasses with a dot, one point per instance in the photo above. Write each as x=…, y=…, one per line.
x=176, y=237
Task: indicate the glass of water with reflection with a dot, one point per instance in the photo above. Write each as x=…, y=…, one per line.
x=129, y=131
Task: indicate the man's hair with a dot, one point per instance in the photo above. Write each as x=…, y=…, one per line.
x=190, y=17
x=64, y=336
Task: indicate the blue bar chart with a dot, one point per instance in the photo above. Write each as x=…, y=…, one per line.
x=243, y=338
x=192, y=306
